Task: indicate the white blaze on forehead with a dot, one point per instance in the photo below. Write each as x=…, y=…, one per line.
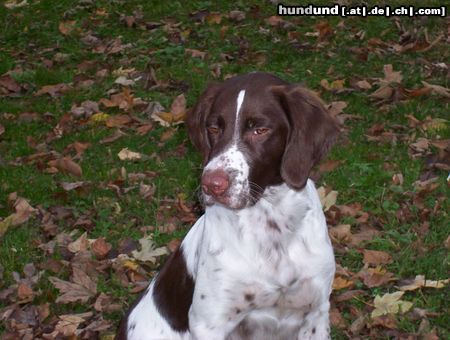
x=233, y=162
x=239, y=101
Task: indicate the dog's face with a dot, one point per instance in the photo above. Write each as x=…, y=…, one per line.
x=256, y=131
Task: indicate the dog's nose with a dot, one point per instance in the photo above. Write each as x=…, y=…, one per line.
x=215, y=183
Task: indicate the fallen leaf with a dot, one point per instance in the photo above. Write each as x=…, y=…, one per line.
x=363, y=85
x=80, y=244
x=437, y=89
x=336, y=108
x=329, y=165
x=73, y=185
x=390, y=304
x=391, y=76
x=53, y=90
x=341, y=233
x=67, y=165
x=12, y=4
x=236, y=15
x=127, y=155
x=8, y=85
x=69, y=323
x=341, y=283
x=2, y=129
x=327, y=199
x=81, y=289
x=375, y=277
x=101, y=248
x=23, y=213
x=420, y=282
x=124, y=81
x=24, y=292
x=115, y=136
x=66, y=27
x=196, y=53
x=148, y=252
x=117, y=121
x=376, y=257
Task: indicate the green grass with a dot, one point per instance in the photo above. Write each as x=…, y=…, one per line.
x=30, y=38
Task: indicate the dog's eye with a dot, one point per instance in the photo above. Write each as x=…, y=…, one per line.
x=260, y=131
x=213, y=130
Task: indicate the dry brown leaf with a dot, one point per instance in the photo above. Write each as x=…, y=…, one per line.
x=375, y=277
x=363, y=85
x=376, y=257
x=53, y=90
x=117, y=121
x=80, y=244
x=421, y=282
x=391, y=76
x=437, y=89
x=341, y=233
x=336, y=108
x=2, y=129
x=69, y=323
x=82, y=289
x=236, y=15
x=67, y=165
x=66, y=27
x=214, y=18
x=24, y=292
x=329, y=165
x=8, y=85
x=23, y=213
x=196, y=53
x=101, y=248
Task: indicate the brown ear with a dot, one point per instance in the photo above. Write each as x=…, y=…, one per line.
x=196, y=119
x=312, y=132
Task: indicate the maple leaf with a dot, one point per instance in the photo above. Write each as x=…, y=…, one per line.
x=390, y=304
x=81, y=289
x=148, y=252
x=68, y=323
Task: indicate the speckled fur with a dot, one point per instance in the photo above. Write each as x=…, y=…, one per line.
x=251, y=281
x=261, y=270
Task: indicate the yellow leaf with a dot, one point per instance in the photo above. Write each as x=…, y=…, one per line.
x=99, y=117
x=390, y=304
x=340, y=283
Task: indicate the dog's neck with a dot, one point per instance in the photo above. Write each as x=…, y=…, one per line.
x=278, y=204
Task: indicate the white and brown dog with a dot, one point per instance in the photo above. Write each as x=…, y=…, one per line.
x=258, y=264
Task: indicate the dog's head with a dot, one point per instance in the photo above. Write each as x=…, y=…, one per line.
x=256, y=131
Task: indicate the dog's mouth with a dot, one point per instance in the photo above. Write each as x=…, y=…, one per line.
x=234, y=202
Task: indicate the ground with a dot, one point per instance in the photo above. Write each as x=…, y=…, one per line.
x=98, y=181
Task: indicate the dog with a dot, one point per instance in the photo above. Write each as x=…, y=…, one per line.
x=259, y=263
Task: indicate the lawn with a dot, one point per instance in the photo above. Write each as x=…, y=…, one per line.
x=98, y=180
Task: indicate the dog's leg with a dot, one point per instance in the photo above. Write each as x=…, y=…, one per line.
x=317, y=326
